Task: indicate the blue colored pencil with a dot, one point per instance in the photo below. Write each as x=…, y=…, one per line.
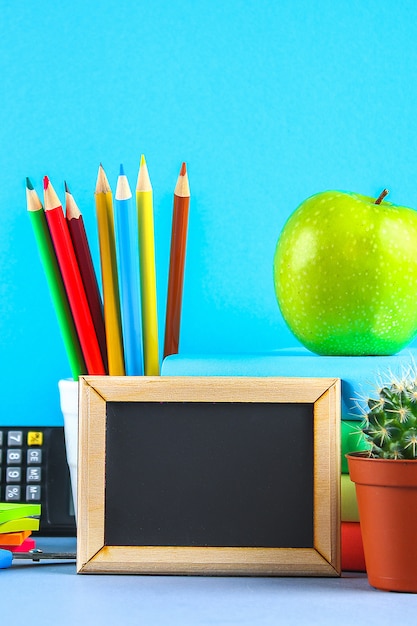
x=128, y=256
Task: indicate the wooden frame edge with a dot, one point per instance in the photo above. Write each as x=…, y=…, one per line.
x=321, y=560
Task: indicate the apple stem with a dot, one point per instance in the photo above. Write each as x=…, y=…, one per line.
x=381, y=196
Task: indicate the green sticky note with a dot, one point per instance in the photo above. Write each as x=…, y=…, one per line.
x=17, y=525
x=10, y=511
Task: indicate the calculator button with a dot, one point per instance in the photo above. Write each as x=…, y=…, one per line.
x=33, y=474
x=14, y=456
x=34, y=456
x=1, y=437
x=35, y=438
x=14, y=438
x=33, y=492
x=12, y=493
x=13, y=474
x=1, y=454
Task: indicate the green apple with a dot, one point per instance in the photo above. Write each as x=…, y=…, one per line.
x=345, y=274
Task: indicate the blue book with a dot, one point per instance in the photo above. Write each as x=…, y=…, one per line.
x=360, y=375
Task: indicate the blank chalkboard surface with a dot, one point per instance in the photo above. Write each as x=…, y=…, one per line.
x=198, y=474
x=209, y=475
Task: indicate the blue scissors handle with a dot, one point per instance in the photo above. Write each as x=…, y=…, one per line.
x=6, y=558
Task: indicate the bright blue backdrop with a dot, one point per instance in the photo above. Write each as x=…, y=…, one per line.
x=267, y=102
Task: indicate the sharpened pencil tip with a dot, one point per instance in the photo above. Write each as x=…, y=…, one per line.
x=123, y=188
x=143, y=182
x=182, y=188
x=66, y=187
x=32, y=198
x=102, y=185
x=51, y=200
x=122, y=171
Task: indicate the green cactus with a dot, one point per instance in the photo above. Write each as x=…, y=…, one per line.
x=390, y=421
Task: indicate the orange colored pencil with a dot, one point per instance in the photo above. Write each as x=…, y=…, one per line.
x=82, y=251
x=177, y=263
x=72, y=280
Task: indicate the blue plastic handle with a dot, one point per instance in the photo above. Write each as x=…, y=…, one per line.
x=6, y=558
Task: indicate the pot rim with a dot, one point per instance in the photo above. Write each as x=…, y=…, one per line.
x=365, y=455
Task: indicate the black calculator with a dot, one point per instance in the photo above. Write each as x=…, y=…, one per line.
x=33, y=468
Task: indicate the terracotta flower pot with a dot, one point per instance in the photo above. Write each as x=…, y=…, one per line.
x=386, y=492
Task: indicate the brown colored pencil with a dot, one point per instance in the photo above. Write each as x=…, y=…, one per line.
x=177, y=263
x=82, y=251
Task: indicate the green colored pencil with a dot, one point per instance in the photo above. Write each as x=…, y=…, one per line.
x=54, y=279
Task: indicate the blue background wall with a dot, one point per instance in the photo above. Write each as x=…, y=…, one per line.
x=267, y=102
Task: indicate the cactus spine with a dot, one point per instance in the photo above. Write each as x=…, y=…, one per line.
x=390, y=420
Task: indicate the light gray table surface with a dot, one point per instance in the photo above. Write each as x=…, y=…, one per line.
x=49, y=593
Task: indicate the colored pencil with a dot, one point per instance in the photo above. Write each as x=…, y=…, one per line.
x=177, y=262
x=128, y=264
x=55, y=283
x=109, y=279
x=82, y=251
x=72, y=280
x=144, y=203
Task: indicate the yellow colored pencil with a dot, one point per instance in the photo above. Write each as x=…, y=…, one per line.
x=144, y=204
x=111, y=302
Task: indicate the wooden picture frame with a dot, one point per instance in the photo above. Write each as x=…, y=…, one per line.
x=103, y=400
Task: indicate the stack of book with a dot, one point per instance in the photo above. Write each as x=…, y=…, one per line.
x=353, y=558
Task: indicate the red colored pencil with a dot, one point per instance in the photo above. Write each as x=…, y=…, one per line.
x=177, y=263
x=79, y=240
x=72, y=280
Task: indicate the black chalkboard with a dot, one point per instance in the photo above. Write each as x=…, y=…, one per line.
x=209, y=475
x=217, y=474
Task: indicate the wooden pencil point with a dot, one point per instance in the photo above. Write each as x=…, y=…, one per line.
x=51, y=200
x=32, y=199
x=71, y=209
x=123, y=191
x=143, y=182
x=102, y=185
x=182, y=188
